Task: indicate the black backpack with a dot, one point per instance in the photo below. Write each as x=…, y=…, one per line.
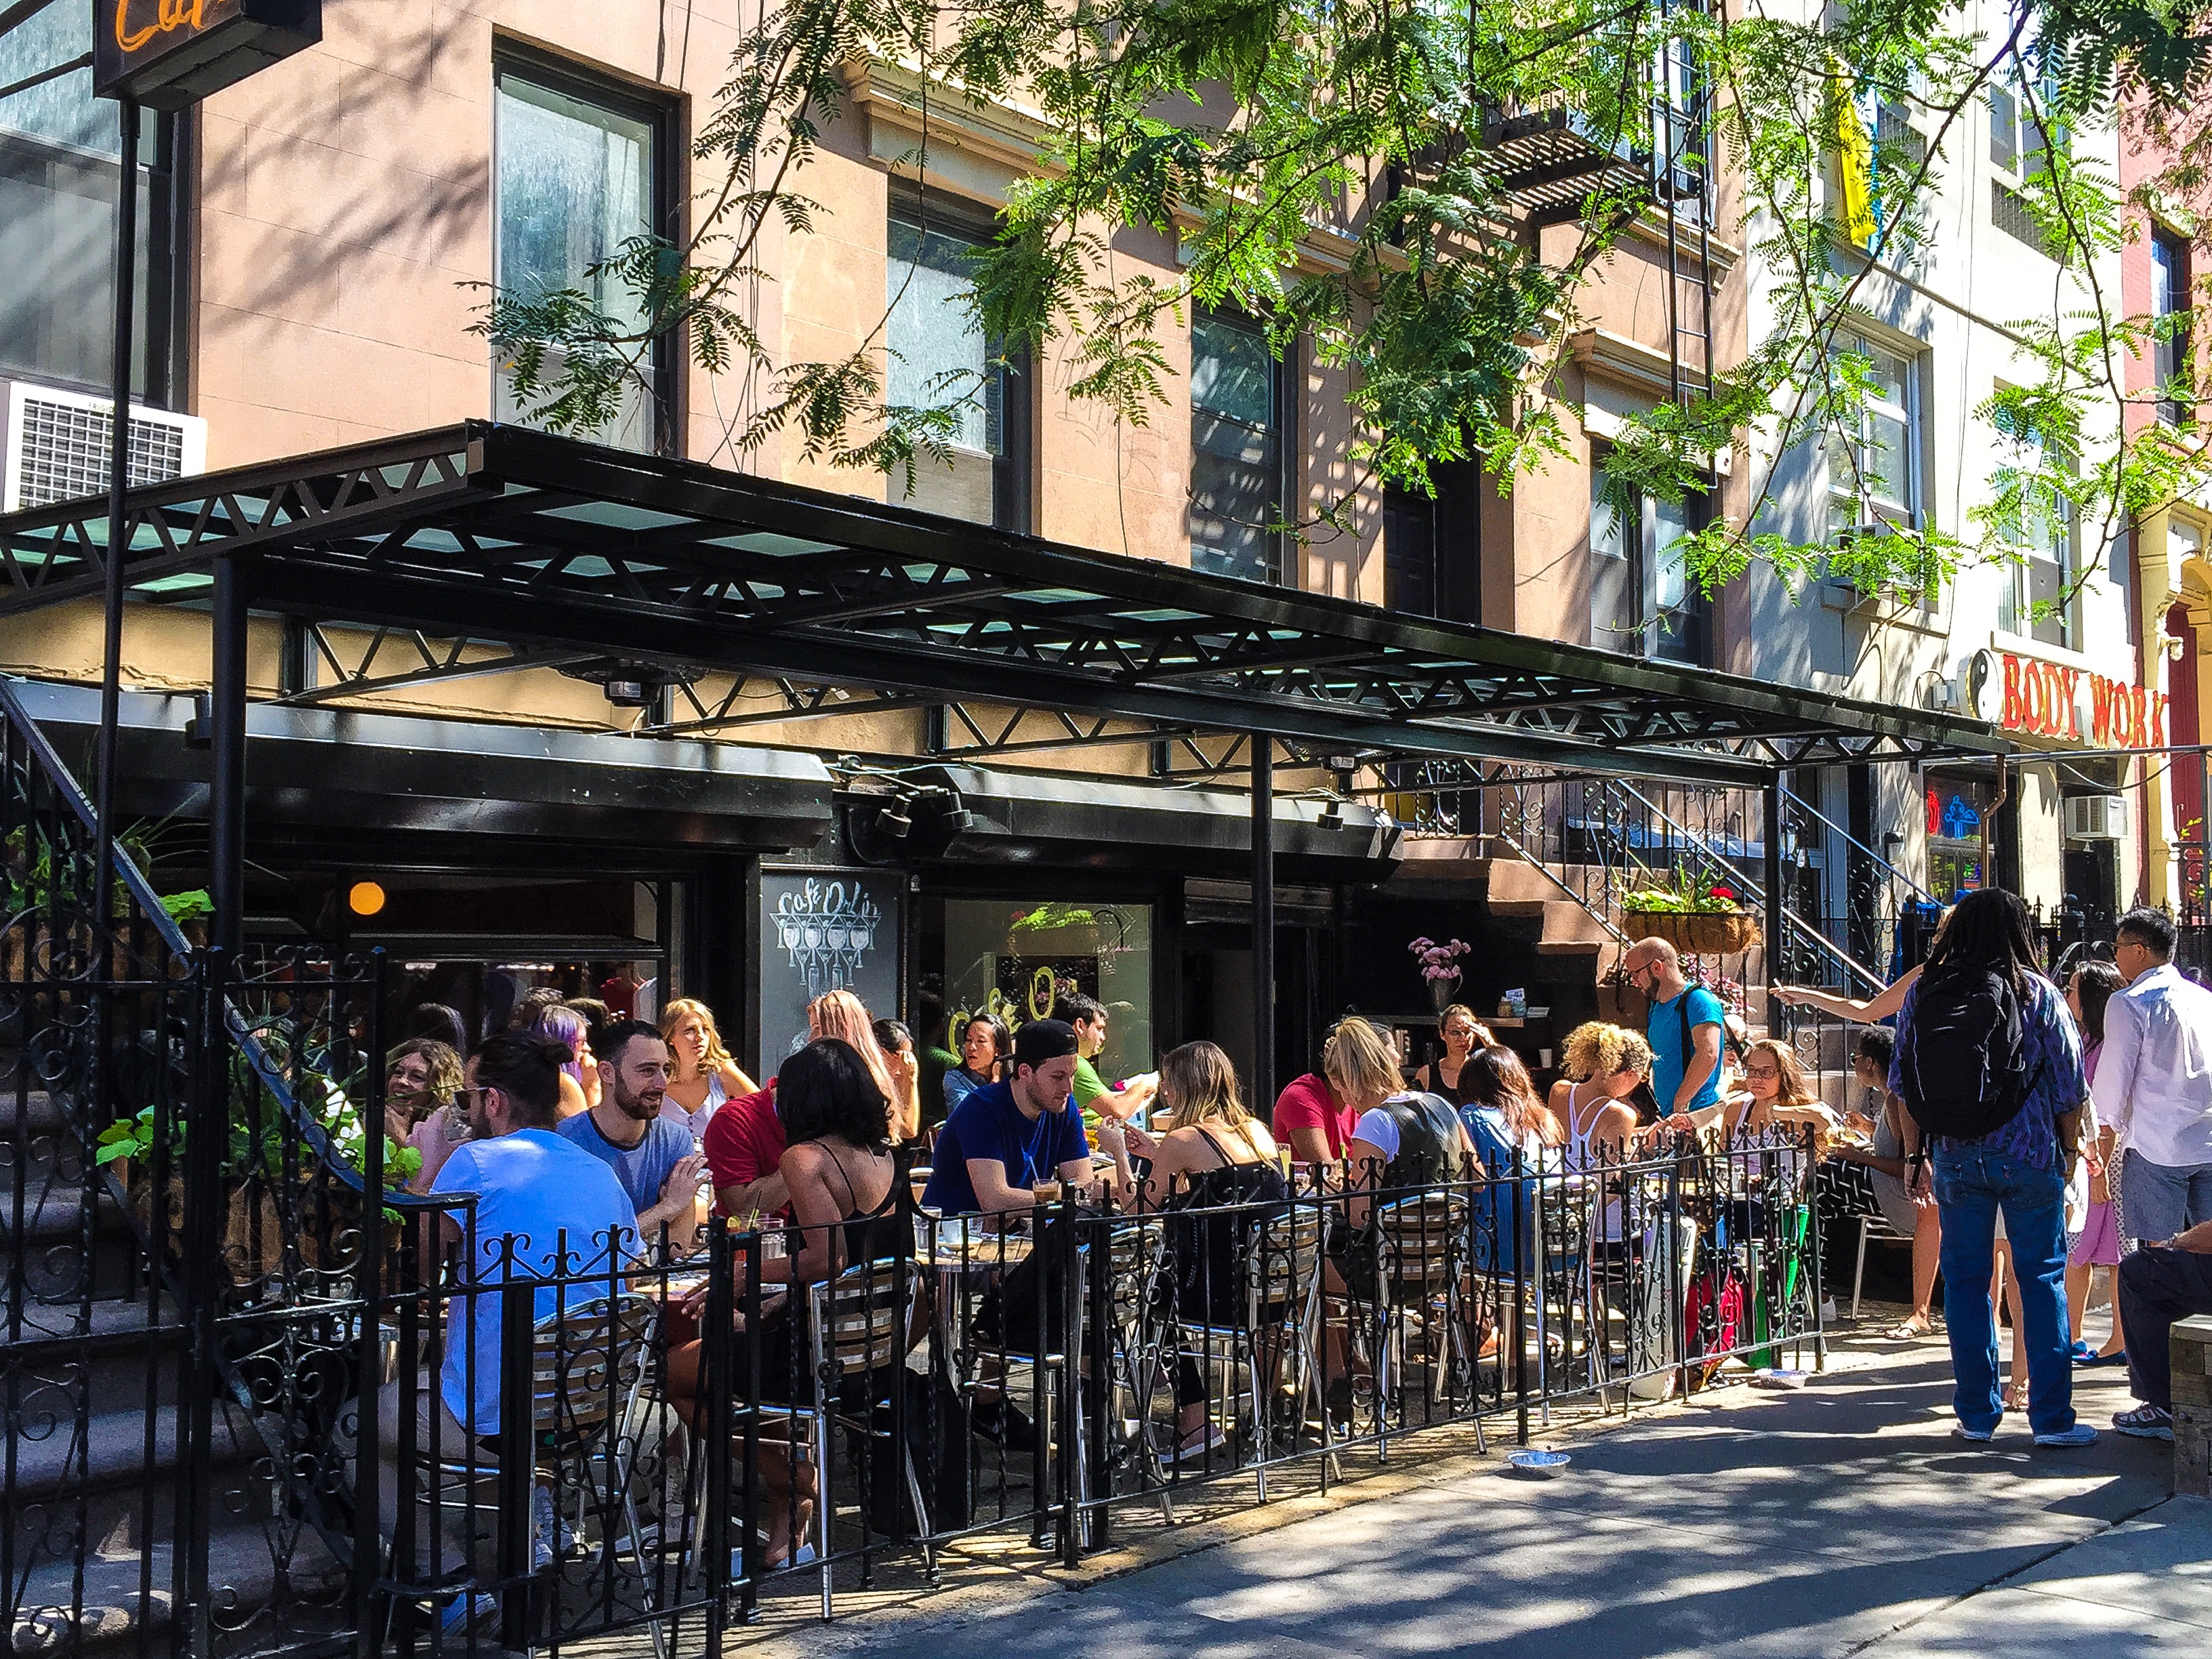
x=1965, y=1069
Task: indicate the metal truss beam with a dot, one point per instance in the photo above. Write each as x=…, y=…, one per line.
x=554, y=550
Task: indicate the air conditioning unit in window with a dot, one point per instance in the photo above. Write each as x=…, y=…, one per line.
x=2096, y=817
x=55, y=446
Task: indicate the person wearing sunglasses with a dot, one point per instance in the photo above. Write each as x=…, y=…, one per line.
x=1684, y=1028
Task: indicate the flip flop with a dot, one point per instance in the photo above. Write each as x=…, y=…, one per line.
x=1911, y=1330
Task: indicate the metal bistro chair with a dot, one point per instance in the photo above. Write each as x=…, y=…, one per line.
x=1282, y=1274
x=858, y=1324
x=1136, y=1254
x=1422, y=1259
x=1848, y=1188
x=1563, y=1228
x=588, y=1369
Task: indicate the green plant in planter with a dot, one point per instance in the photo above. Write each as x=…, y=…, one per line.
x=1681, y=894
x=191, y=905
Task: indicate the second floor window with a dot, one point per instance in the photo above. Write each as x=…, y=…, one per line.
x=579, y=174
x=1643, y=601
x=1237, y=449
x=1873, y=464
x=939, y=359
x=2039, y=602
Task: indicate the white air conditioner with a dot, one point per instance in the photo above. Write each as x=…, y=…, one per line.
x=55, y=444
x=2096, y=817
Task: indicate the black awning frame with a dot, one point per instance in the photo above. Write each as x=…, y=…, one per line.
x=545, y=548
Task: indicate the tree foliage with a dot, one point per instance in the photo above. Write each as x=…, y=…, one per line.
x=1330, y=167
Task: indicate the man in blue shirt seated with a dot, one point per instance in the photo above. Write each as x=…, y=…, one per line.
x=1005, y=1137
x=526, y=1206
x=1684, y=1031
x=651, y=1156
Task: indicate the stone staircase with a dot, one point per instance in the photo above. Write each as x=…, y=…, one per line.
x=94, y=1371
x=1567, y=928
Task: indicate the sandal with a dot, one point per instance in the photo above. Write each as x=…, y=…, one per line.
x=1912, y=1328
x=2015, y=1396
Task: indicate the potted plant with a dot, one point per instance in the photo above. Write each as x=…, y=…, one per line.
x=1439, y=967
x=1694, y=914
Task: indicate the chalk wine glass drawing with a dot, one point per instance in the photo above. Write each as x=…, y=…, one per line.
x=827, y=931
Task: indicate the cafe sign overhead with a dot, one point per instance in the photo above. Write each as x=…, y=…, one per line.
x=168, y=54
x=2046, y=700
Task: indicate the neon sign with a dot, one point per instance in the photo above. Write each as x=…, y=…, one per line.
x=168, y=54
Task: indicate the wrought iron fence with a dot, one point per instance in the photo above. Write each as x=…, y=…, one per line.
x=227, y=1332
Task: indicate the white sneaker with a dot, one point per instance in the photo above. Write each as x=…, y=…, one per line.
x=2080, y=1435
x=2145, y=1423
x=548, y=1534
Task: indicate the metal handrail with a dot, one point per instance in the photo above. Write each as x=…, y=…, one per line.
x=1536, y=864
x=312, y=1135
x=1853, y=841
x=1789, y=918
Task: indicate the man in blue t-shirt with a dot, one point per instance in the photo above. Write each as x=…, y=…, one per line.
x=1686, y=1074
x=1005, y=1137
x=525, y=1205
x=651, y=1156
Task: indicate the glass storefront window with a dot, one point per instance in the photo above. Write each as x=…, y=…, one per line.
x=59, y=153
x=1011, y=957
x=1955, y=810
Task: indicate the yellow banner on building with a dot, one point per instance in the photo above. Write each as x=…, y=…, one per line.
x=1854, y=167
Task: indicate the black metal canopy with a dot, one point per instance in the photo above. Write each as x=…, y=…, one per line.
x=485, y=548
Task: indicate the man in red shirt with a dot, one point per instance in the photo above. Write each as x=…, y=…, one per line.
x=744, y=1143
x=1315, y=1115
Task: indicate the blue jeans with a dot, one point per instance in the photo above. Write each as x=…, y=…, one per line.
x=1971, y=1183
x=2158, y=1200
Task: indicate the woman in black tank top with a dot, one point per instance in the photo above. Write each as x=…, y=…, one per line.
x=1464, y=1036
x=843, y=1185
x=1215, y=1173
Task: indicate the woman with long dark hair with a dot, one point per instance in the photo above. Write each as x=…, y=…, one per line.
x=1215, y=1157
x=837, y=1167
x=985, y=1044
x=1989, y=1070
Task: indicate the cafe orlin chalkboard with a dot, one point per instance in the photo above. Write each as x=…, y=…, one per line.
x=168, y=54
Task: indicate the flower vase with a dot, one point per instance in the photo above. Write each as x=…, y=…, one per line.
x=1443, y=991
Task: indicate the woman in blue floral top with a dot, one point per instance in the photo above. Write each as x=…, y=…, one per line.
x=2020, y=1167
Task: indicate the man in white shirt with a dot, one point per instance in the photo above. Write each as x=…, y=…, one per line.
x=2154, y=1082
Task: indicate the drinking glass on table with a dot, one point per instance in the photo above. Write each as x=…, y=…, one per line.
x=1047, y=1191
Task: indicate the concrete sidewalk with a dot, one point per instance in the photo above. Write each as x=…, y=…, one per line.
x=1842, y=1519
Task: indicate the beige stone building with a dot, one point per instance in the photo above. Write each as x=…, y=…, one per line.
x=321, y=240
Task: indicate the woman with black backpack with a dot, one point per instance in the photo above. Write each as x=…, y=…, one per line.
x=1989, y=1066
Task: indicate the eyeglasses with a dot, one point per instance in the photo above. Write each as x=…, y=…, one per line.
x=1761, y=1074
x=469, y=1097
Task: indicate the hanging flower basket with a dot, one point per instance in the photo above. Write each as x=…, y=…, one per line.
x=1707, y=933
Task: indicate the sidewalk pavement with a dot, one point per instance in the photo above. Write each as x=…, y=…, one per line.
x=1842, y=1519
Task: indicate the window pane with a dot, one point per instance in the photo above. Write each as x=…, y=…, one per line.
x=1409, y=551
x=1616, y=620
x=1236, y=468
x=574, y=184
x=58, y=146
x=1232, y=371
x=938, y=357
x=1670, y=574
x=1887, y=462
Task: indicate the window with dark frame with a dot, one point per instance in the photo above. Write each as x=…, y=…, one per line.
x=60, y=152
x=581, y=168
x=2169, y=298
x=1642, y=600
x=938, y=358
x=1240, y=443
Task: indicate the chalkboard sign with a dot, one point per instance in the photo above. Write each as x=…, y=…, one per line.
x=821, y=928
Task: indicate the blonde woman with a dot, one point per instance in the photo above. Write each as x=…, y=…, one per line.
x=1217, y=1157
x=841, y=1015
x=1317, y=1113
x=1464, y=1036
x=1604, y=1065
x=706, y=1074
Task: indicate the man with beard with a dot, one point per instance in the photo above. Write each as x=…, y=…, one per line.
x=651, y=1156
